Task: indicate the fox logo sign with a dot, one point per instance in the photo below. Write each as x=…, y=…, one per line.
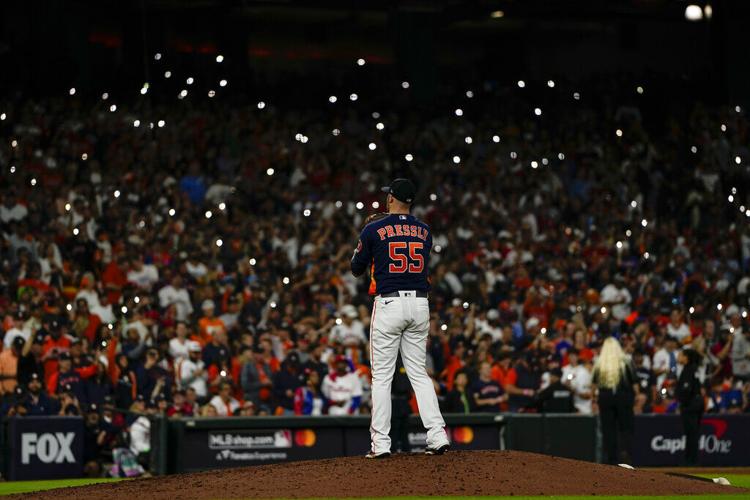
x=48, y=448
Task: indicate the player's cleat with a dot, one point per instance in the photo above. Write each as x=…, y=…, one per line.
x=375, y=456
x=437, y=451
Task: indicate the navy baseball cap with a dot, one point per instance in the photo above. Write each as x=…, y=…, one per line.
x=402, y=189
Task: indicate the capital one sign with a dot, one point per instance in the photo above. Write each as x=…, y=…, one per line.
x=48, y=447
x=45, y=447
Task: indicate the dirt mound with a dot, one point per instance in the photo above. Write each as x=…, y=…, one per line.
x=456, y=473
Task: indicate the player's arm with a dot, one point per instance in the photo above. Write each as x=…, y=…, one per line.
x=362, y=254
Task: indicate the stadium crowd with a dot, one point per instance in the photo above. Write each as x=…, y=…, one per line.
x=199, y=266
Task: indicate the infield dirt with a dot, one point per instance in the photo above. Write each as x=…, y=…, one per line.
x=455, y=473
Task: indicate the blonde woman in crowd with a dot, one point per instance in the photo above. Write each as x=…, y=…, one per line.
x=614, y=380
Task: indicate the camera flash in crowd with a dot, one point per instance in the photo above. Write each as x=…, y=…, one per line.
x=576, y=96
x=160, y=123
x=433, y=197
x=338, y=321
x=285, y=280
x=253, y=261
x=744, y=314
x=465, y=305
x=408, y=157
x=719, y=307
x=116, y=194
x=521, y=84
x=360, y=205
x=220, y=58
x=157, y=56
x=269, y=171
x=737, y=160
x=172, y=211
x=646, y=255
x=124, y=309
x=560, y=156
x=644, y=222
x=336, y=132
x=545, y=161
x=633, y=204
x=538, y=111
x=513, y=155
x=456, y=159
x=469, y=94
x=444, y=327
x=338, y=204
x=551, y=84
x=136, y=123
x=404, y=85
x=306, y=212
x=137, y=299
x=353, y=97
x=723, y=128
x=273, y=305
x=33, y=181
x=211, y=93
x=144, y=90
x=691, y=310
x=72, y=91
x=222, y=206
x=105, y=96
x=618, y=132
x=459, y=112
x=372, y=146
x=534, y=164
x=604, y=310
x=223, y=83
x=468, y=140
x=84, y=157
x=261, y=104
x=67, y=207
x=375, y=204
x=113, y=108
x=219, y=242
x=69, y=307
x=438, y=249
x=208, y=214
x=360, y=62
x=730, y=198
x=110, y=326
x=543, y=331
x=2, y=117
x=379, y=126
x=619, y=245
x=167, y=74
x=495, y=139
x=332, y=99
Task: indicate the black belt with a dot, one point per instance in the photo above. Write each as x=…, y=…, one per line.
x=420, y=295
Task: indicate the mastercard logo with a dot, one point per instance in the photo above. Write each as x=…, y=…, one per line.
x=463, y=435
x=305, y=437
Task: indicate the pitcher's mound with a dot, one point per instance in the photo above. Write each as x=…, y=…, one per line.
x=455, y=473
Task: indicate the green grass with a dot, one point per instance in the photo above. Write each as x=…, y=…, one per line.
x=741, y=480
x=12, y=487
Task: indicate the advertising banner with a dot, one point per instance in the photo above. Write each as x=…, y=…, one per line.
x=463, y=437
x=724, y=440
x=45, y=447
x=210, y=449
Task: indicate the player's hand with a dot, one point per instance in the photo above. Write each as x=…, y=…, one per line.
x=374, y=217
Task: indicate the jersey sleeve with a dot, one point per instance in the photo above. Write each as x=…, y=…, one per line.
x=362, y=254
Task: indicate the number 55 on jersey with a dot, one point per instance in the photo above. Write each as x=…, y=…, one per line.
x=396, y=248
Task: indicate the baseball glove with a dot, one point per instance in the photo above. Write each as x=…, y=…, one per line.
x=374, y=217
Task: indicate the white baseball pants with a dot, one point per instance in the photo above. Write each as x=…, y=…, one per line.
x=401, y=324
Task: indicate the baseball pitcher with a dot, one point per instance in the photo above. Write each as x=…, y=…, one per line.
x=395, y=248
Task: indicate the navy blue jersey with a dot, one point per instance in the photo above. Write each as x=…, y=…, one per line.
x=396, y=251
